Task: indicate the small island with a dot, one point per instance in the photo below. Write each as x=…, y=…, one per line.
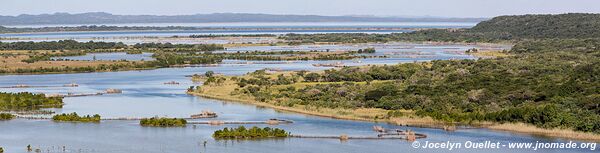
x=73, y=117
x=27, y=101
x=163, y=122
x=6, y=116
x=252, y=133
x=134, y=52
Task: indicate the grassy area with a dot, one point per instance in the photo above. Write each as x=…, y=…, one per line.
x=223, y=91
x=490, y=54
x=12, y=63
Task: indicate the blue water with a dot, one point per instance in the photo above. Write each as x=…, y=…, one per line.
x=280, y=25
x=397, y=52
x=111, y=34
x=234, y=28
x=109, y=57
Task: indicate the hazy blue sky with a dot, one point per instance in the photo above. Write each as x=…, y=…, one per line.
x=446, y=8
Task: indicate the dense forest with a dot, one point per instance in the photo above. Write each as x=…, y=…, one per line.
x=19, y=101
x=548, y=83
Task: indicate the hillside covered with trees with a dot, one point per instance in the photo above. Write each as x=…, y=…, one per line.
x=498, y=29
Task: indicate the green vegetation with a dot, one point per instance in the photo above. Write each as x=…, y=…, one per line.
x=134, y=52
x=553, y=86
x=562, y=26
x=170, y=58
x=73, y=117
x=252, y=133
x=163, y=122
x=6, y=116
x=27, y=101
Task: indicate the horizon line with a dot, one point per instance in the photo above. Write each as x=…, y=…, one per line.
x=349, y=15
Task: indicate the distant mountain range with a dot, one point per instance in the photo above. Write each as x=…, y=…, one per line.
x=107, y=18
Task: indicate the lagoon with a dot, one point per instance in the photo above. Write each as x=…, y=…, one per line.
x=145, y=95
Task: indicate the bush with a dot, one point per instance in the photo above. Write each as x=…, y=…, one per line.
x=163, y=122
x=252, y=133
x=6, y=116
x=73, y=117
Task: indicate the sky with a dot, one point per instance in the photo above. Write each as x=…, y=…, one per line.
x=410, y=8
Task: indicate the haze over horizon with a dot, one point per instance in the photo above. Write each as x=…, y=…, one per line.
x=402, y=8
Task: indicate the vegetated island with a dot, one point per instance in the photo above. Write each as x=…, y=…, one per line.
x=546, y=86
x=73, y=117
x=242, y=132
x=6, y=116
x=28, y=101
x=163, y=122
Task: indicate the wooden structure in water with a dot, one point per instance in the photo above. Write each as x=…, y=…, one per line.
x=71, y=85
x=113, y=91
x=336, y=64
x=383, y=134
x=74, y=95
x=31, y=86
x=410, y=136
x=346, y=137
x=270, y=122
x=204, y=114
x=171, y=83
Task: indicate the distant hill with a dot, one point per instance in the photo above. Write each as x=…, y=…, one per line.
x=519, y=27
x=107, y=18
x=573, y=25
x=502, y=28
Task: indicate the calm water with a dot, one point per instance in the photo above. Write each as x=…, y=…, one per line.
x=398, y=52
x=169, y=33
x=145, y=95
x=281, y=25
x=110, y=35
x=109, y=57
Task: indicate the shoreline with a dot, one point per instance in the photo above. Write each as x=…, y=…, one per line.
x=425, y=122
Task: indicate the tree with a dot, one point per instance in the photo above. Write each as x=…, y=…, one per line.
x=209, y=74
x=312, y=77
